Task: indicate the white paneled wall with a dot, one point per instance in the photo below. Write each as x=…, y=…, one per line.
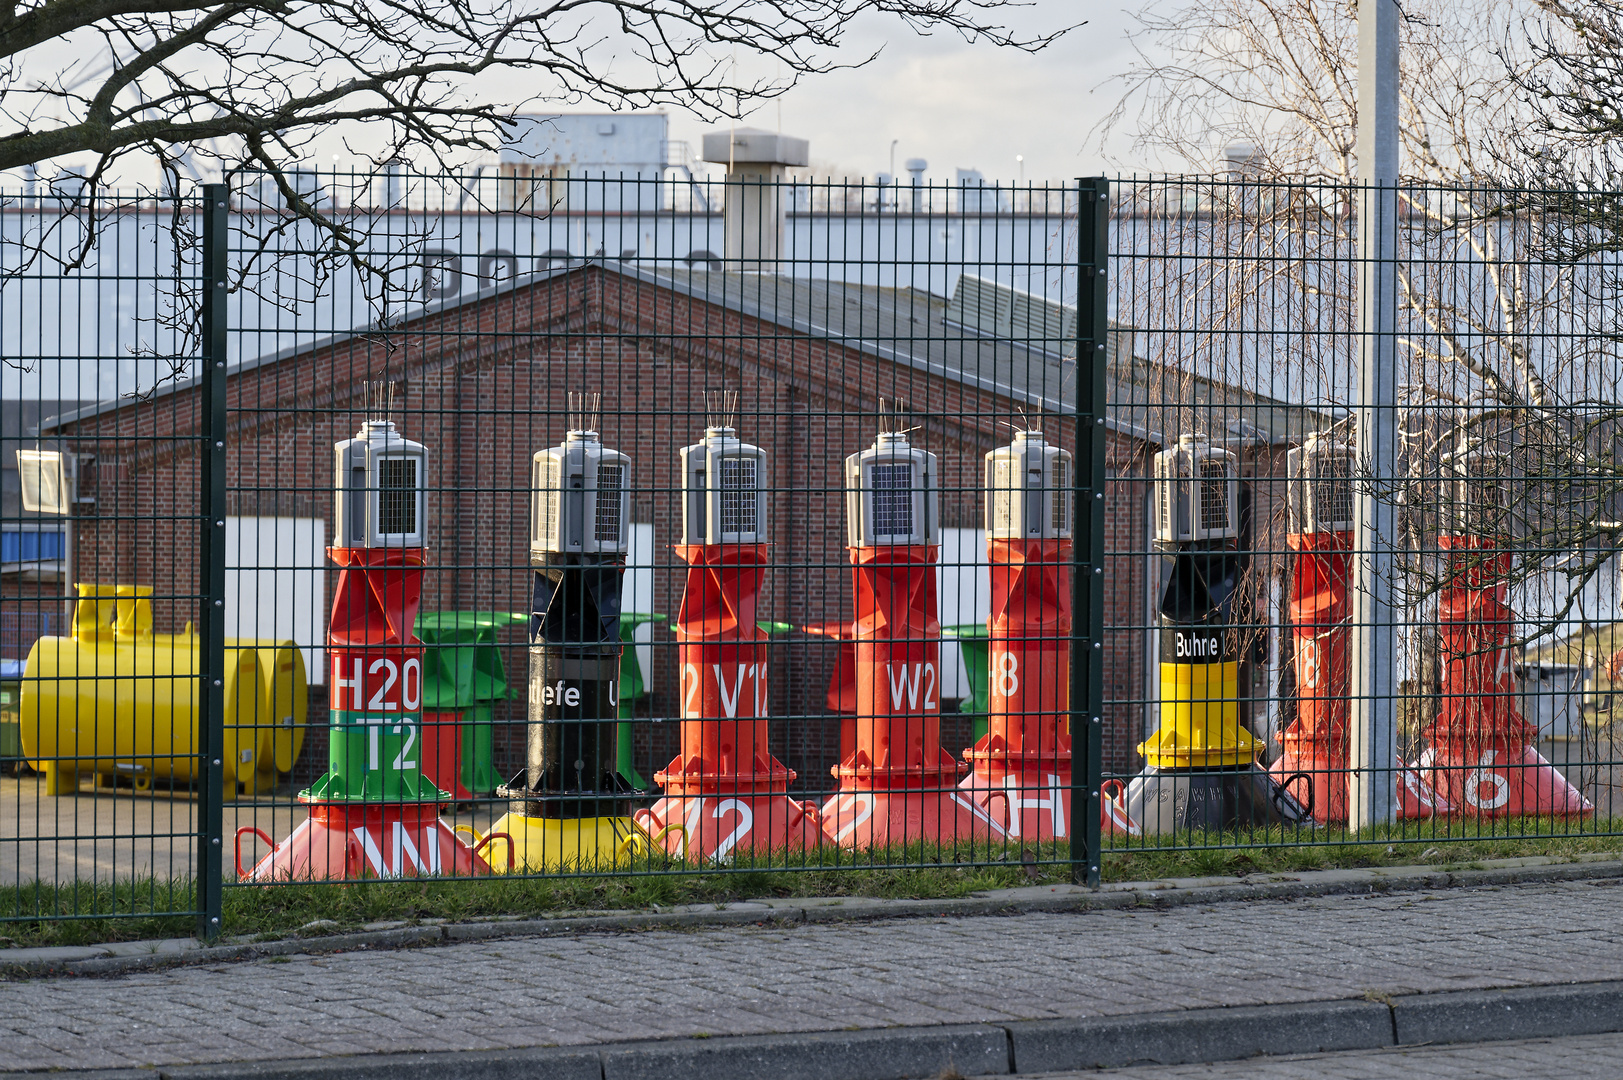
x=275, y=584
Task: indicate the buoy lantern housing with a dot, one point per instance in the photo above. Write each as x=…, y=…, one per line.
x=579, y=499
x=379, y=489
x=723, y=490
x=891, y=497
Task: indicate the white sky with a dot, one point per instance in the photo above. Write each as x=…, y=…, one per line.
x=961, y=106
x=954, y=104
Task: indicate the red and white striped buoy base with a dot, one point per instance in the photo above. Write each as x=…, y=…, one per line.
x=859, y=817
x=340, y=842
x=718, y=827
x=1503, y=778
x=1034, y=803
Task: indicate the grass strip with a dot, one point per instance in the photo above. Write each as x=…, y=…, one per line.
x=90, y=912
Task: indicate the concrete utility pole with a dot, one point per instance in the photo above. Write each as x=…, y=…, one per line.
x=1371, y=789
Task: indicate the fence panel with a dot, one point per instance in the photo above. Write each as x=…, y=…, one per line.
x=560, y=525
x=1242, y=298
x=105, y=667
x=712, y=670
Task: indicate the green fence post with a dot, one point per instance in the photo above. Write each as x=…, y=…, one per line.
x=211, y=620
x=1088, y=531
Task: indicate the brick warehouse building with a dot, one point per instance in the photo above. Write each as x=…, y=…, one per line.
x=482, y=382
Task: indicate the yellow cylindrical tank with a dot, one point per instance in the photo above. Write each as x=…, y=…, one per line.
x=267, y=740
x=283, y=677
x=115, y=697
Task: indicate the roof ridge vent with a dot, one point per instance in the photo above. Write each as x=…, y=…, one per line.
x=992, y=309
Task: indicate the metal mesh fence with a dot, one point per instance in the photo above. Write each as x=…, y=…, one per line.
x=562, y=525
x=1495, y=555
x=101, y=602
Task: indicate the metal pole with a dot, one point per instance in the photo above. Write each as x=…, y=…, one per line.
x=1088, y=530
x=1371, y=789
x=211, y=619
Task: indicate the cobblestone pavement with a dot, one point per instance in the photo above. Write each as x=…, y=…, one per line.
x=1528, y=1059
x=604, y=987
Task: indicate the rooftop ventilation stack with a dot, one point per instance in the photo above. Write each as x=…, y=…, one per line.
x=757, y=196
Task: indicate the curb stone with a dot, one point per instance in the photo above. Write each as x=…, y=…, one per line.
x=885, y=1054
x=1180, y=1038
x=1519, y=1013
x=146, y=955
x=546, y=1063
x=1023, y=1047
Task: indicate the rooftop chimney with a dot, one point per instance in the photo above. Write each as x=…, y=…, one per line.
x=757, y=199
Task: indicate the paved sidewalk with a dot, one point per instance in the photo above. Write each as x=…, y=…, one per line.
x=598, y=988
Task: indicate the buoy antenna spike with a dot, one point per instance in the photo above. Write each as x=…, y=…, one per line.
x=721, y=407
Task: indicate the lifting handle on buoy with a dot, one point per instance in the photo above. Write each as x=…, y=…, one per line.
x=639, y=838
x=1283, y=789
x=481, y=845
x=257, y=831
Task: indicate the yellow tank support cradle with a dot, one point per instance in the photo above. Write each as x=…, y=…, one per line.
x=117, y=698
x=560, y=844
x=1200, y=719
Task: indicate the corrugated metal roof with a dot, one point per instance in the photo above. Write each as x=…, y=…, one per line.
x=949, y=339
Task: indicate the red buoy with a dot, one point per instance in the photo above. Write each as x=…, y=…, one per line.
x=1481, y=755
x=1313, y=760
x=1021, y=769
x=724, y=792
x=898, y=785
x=373, y=812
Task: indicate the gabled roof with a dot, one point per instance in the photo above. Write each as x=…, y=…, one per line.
x=905, y=326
